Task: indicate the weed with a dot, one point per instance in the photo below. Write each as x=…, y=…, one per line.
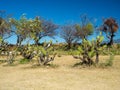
x=24, y=61
x=109, y=62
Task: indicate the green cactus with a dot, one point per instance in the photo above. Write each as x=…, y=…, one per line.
x=89, y=49
x=4, y=50
x=44, y=56
x=98, y=48
x=28, y=52
x=42, y=53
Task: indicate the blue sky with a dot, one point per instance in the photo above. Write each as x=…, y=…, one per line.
x=62, y=11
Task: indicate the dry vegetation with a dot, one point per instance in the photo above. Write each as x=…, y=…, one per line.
x=63, y=77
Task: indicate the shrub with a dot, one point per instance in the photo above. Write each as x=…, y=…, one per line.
x=24, y=61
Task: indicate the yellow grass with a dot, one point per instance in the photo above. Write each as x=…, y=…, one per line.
x=64, y=77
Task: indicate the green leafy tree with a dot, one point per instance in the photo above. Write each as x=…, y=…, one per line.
x=34, y=29
x=20, y=28
x=85, y=29
x=41, y=28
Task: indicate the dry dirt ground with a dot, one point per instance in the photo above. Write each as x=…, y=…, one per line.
x=63, y=77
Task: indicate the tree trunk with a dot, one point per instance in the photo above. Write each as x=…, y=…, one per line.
x=19, y=40
x=84, y=59
x=69, y=45
x=37, y=42
x=97, y=58
x=111, y=39
x=90, y=62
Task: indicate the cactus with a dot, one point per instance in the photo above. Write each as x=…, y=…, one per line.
x=89, y=49
x=98, y=48
x=42, y=53
x=11, y=57
x=5, y=50
x=28, y=52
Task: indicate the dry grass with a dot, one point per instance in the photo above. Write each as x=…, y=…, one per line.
x=64, y=77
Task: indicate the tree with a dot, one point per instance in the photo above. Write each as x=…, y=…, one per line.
x=110, y=26
x=32, y=28
x=20, y=28
x=5, y=33
x=85, y=29
x=5, y=30
x=41, y=28
x=69, y=34
x=35, y=29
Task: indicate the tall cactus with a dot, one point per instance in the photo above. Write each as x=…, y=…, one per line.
x=98, y=48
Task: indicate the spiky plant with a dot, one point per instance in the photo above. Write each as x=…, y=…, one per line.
x=89, y=49
x=45, y=54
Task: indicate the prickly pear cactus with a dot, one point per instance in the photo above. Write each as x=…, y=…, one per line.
x=44, y=54
x=88, y=49
x=28, y=52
